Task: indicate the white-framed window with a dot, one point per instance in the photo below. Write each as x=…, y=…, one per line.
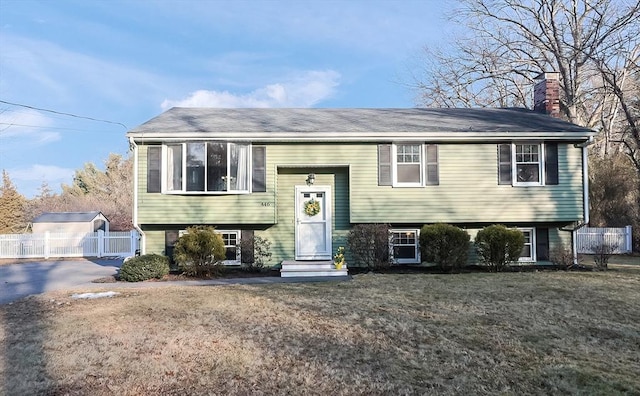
x=528, y=253
x=408, y=164
x=404, y=246
x=206, y=167
x=231, y=241
x=528, y=164
x=232, y=246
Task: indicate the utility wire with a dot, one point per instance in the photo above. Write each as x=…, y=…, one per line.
x=44, y=127
x=66, y=114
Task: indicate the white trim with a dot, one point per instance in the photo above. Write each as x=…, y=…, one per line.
x=514, y=164
x=183, y=191
x=394, y=165
x=348, y=136
x=328, y=253
x=136, y=180
x=238, y=233
x=532, y=242
x=417, y=259
x=238, y=259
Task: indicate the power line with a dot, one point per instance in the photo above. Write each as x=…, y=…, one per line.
x=65, y=114
x=43, y=127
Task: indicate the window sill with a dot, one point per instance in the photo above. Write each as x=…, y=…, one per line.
x=408, y=186
x=206, y=192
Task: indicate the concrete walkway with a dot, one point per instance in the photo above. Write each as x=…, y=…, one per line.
x=21, y=280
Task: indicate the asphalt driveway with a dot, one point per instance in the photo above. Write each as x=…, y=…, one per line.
x=21, y=280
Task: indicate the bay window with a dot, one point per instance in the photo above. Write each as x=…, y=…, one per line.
x=213, y=167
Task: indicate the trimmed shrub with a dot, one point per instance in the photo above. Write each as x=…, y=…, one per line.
x=369, y=245
x=255, y=253
x=200, y=252
x=445, y=245
x=141, y=268
x=498, y=246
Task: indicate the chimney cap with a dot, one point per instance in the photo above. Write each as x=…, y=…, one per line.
x=547, y=76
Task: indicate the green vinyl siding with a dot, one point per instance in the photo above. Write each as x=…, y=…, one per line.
x=154, y=242
x=282, y=235
x=557, y=238
x=157, y=208
x=468, y=191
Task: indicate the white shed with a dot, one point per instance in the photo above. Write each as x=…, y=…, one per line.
x=70, y=222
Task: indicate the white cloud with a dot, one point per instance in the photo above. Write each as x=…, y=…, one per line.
x=303, y=90
x=27, y=126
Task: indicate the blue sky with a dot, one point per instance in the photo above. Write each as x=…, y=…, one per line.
x=128, y=61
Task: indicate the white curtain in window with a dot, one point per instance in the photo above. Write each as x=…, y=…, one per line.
x=170, y=174
x=174, y=168
x=241, y=176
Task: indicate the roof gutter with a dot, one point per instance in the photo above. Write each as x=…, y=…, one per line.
x=347, y=137
x=132, y=144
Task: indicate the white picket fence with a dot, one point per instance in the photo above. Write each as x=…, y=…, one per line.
x=58, y=244
x=589, y=237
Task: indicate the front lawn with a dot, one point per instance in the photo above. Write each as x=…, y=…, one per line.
x=475, y=333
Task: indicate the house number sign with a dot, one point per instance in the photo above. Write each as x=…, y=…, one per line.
x=268, y=204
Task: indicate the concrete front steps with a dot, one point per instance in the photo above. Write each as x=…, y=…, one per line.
x=291, y=268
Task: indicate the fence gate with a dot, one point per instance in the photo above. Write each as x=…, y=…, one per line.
x=618, y=238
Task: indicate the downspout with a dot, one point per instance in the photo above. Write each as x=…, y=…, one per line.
x=585, y=180
x=133, y=144
x=585, y=196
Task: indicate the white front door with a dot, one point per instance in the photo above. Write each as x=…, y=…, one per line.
x=313, y=223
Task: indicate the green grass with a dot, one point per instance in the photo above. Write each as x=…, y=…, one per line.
x=478, y=333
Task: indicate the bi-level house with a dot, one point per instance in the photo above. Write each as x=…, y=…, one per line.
x=303, y=177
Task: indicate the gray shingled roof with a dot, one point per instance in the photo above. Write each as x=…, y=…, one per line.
x=66, y=217
x=193, y=121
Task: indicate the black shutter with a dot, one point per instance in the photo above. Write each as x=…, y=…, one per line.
x=170, y=239
x=246, y=246
x=259, y=170
x=504, y=164
x=433, y=178
x=542, y=244
x=384, y=165
x=551, y=163
x=153, y=169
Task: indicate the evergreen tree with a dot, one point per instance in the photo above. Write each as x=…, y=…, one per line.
x=12, y=207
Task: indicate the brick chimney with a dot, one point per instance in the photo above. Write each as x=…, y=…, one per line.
x=546, y=94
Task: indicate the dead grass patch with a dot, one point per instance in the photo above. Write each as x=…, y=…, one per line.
x=511, y=333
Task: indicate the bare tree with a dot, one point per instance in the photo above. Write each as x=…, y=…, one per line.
x=593, y=44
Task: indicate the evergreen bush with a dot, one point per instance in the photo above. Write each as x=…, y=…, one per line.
x=445, y=245
x=498, y=246
x=144, y=267
x=200, y=252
